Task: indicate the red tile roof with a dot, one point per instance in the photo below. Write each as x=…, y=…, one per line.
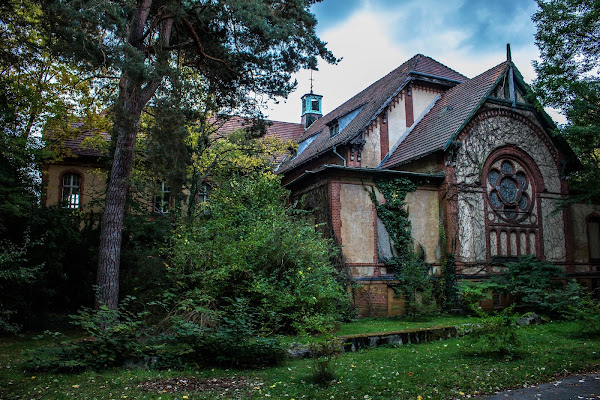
x=372, y=99
x=446, y=118
x=283, y=130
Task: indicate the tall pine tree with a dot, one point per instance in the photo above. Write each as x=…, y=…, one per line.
x=240, y=48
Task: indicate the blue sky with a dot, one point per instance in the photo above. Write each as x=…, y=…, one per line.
x=375, y=36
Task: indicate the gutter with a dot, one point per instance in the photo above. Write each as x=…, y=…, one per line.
x=370, y=171
x=339, y=155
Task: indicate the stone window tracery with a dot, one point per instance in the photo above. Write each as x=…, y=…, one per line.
x=509, y=190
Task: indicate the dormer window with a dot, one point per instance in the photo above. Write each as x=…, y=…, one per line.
x=334, y=128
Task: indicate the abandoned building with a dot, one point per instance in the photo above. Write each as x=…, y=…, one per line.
x=487, y=169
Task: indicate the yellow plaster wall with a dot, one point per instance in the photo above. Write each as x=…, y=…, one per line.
x=94, y=181
x=356, y=211
x=424, y=214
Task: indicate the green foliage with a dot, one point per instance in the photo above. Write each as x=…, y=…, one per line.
x=115, y=337
x=537, y=286
x=394, y=214
x=587, y=314
x=473, y=293
x=416, y=285
x=450, y=284
x=233, y=342
x=324, y=354
x=408, y=265
x=497, y=334
x=567, y=36
x=248, y=245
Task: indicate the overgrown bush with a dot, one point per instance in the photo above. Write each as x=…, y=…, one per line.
x=233, y=342
x=496, y=333
x=115, y=336
x=248, y=245
x=587, y=315
x=538, y=286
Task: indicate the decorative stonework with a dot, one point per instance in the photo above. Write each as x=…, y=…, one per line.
x=509, y=191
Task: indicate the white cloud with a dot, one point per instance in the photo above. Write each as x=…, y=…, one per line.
x=374, y=40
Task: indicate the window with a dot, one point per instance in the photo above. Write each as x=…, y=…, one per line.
x=593, y=228
x=202, y=194
x=71, y=190
x=334, y=128
x=509, y=190
x=315, y=105
x=162, y=199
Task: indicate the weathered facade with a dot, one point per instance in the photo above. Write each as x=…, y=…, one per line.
x=488, y=172
x=488, y=175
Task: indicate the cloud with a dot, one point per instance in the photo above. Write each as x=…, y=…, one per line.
x=375, y=36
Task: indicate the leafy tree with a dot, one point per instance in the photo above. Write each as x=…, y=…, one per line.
x=568, y=36
x=240, y=48
x=247, y=244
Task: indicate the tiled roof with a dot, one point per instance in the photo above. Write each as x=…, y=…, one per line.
x=373, y=98
x=81, y=145
x=446, y=118
x=283, y=130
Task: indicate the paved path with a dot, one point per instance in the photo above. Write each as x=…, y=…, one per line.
x=579, y=387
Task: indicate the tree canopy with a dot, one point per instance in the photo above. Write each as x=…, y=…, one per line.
x=240, y=50
x=568, y=36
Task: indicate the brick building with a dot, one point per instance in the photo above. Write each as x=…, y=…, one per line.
x=488, y=173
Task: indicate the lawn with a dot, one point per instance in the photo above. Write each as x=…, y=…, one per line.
x=440, y=370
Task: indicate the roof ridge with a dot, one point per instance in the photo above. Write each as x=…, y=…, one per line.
x=443, y=65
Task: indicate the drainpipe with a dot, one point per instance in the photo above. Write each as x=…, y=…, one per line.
x=339, y=155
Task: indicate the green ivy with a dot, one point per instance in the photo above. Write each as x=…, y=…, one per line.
x=394, y=214
x=408, y=265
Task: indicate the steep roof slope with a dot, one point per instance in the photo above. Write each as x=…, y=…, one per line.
x=446, y=117
x=372, y=100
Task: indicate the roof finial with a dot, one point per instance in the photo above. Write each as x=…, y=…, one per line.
x=508, y=55
x=311, y=81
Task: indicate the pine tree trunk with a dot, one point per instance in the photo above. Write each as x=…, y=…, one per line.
x=126, y=125
x=134, y=93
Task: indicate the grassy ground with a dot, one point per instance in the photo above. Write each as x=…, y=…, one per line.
x=442, y=370
x=376, y=325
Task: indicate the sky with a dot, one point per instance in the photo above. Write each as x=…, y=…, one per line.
x=373, y=37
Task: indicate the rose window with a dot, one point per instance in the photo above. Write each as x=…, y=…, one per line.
x=509, y=190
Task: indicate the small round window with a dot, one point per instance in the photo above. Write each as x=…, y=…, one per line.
x=509, y=190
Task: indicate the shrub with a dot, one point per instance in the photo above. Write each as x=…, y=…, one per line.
x=249, y=245
x=233, y=342
x=115, y=337
x=538, y=286
x=497, y=333
x=587, y=315
x=324, y=354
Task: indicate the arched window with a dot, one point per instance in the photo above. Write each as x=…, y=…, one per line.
x=71, y=190
x=593, y=230
x=510, y=183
